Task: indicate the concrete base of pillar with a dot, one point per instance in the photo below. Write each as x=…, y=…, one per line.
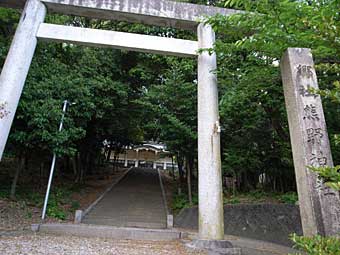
x=170, y=221
x=35, y=227
x=78, y=217
x=214, y=247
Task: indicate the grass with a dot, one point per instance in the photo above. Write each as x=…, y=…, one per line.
x=257, y=196
x=181, y=201
x=316, y=245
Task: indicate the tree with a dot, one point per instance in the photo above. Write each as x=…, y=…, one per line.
x=250, y=46
x=171, y=113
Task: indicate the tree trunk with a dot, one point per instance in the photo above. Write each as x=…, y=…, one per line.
x=180, y=176
x=90, y=161
x=173, y=168
x=16, y=176
x=189, y=181
x=81, y=167
x=114, y=163
x=74, y=167
x=42, y=174
x=108, y=157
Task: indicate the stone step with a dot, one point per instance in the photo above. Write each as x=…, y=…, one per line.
x=133, y=224
x=136, y=201
x=110, y=232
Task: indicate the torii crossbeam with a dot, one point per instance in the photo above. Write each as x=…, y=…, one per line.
x=150, y=12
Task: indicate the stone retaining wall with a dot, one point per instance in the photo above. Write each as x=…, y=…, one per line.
x=267, y=222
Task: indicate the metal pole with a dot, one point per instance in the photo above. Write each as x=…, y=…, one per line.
x=53, y=164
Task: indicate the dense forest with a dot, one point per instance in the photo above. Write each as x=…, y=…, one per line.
x=128, y=97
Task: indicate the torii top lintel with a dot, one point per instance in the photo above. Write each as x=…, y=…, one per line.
x=151, y=12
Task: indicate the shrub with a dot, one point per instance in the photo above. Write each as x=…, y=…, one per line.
x=289, y=198
x=179, y=202
x=317, y=245
x=54, y=210
x=75, y=205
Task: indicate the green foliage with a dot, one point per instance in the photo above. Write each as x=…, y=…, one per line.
x=29, y=215
x=23, y=195
x=128, y=97
x=329, y=175
x=317, y=245
x=249, y=46
x=171, y=107
x=54, y=210
x=260, y=196
x=257, y=194
x=289, y=198
x=33, y=198
x=60, y=202
x=332, y=94
x=75, y=205
x=231, y=200
x=59, y=199
x=4, y=192
x=181, y=201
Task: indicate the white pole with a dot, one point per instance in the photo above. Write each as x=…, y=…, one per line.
x=126, y=160
x=137, y=158
x=53, y=164
x=17, y=64
x=211, y=226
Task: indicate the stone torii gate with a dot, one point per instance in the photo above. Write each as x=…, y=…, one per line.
x=319, y=206
x=31, y=27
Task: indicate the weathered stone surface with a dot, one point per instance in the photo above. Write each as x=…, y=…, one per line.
x=210, y=244
x=151, y=12
x=267, y=222
x=209, y=152
x=118, y=40
x=17, y=64
x=35, y=227
x=109, y=232
x=130, y=204
x=214, y=247
x=228, y=251
x=170, y=221
x=319, y=205
x=78, y=217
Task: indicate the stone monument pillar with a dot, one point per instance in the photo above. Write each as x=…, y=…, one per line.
x=15, y=69
x=319, y=205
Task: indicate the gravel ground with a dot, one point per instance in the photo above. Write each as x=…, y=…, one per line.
x=57, y=245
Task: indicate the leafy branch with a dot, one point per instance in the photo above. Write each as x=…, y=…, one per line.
x=329, y=175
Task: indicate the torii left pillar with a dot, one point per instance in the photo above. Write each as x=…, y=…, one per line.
x=17, y=64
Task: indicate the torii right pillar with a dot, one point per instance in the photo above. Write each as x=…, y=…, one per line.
x=211, y=225
x=319, y=205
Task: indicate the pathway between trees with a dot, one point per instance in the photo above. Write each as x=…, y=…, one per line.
x=136, y=201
